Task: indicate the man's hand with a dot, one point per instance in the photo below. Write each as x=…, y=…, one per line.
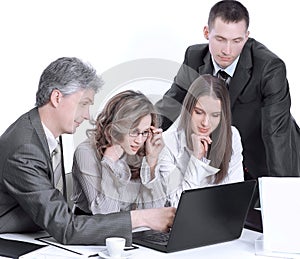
x=158, y=218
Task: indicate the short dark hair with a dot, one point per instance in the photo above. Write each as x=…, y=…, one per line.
x=228, y=11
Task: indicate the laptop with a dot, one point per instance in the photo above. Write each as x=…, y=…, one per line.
x=204, y=216
x=254, y=218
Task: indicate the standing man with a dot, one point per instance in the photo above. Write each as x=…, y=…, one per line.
x=259, y=91
x=29, y=198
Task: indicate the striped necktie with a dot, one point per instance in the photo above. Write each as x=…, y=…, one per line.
x=57, y=166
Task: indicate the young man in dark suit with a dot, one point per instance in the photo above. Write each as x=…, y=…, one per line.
x=30, y=199
x=258, y=87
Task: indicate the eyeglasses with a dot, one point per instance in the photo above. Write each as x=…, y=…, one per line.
x=135, y=133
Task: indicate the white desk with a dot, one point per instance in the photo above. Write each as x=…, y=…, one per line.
x=244, y=248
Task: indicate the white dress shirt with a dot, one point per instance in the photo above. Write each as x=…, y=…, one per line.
x=52, y=141
x=181, y=170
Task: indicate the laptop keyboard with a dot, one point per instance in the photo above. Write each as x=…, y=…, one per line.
x=159, y=237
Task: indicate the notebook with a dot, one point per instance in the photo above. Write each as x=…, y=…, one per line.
x=15, y=248
x=204, y=216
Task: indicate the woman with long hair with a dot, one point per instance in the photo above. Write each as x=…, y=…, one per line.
x=115, y=168
x=204, y=149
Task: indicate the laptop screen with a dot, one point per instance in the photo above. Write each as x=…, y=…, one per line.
x=206, y=216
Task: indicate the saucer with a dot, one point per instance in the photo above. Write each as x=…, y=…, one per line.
x=104, y=254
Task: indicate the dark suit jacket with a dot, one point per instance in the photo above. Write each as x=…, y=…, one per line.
x=260, y=104
x=28, y=199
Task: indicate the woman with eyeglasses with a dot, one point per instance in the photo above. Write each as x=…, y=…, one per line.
x=204, y=149
x=115, y=168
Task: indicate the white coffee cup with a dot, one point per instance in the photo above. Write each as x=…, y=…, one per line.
x=115, y=246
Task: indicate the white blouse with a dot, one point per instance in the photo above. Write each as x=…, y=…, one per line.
x=181, y=170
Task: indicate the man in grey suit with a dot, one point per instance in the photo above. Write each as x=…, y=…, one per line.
x=29, y=199
x=259, y=91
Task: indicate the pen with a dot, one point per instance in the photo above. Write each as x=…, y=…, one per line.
x=125, y=249
x=130, y=248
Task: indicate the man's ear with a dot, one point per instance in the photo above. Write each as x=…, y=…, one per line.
x=206, y=32
x=248, y=32
x=55, y=97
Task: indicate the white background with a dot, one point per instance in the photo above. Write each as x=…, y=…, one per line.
x=110, y=32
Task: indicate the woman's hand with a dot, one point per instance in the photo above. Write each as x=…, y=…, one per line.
x=154, y=145
x=200, y=145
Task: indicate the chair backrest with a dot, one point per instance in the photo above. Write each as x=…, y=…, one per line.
x=69, y=184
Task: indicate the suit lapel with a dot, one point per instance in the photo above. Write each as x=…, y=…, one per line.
x=207, y=67
x=241, y=75
x=38, y=127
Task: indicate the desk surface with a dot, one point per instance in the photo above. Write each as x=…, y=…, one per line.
x=244, y=247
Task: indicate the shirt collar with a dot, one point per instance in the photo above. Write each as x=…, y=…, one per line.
x=182, y=140
x=52, y=142
x=229, y=70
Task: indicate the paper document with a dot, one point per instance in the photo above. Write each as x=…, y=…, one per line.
x=85, y=250
x=76, y=249
x=280, y=207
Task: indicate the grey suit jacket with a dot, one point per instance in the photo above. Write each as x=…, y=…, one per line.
x=260, y=105
x=28, y=199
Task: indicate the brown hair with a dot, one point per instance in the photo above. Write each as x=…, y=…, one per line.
x=221, y=147
x=121, y=113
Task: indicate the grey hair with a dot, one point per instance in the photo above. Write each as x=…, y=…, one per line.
x=68, y=75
